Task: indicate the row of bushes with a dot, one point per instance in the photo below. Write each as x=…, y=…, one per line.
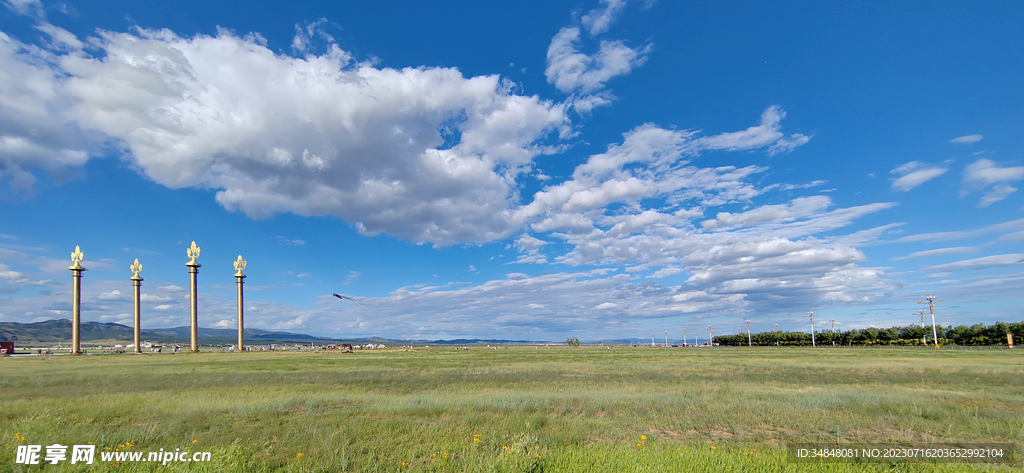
x=975, y=335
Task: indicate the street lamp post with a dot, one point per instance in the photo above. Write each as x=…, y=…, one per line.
x=931, y=308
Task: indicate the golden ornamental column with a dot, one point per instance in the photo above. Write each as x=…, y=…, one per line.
x=136, y=268
x=239, y=266
x=193, y=270
x=76, y=301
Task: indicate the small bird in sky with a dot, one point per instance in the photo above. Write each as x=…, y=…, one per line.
x=347, y=298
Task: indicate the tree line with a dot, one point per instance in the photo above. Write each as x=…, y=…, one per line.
x=975, y=335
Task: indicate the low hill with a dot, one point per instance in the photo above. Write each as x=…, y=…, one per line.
x=52, y=331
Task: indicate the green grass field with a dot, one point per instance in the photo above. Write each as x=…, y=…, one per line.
x=513, y=409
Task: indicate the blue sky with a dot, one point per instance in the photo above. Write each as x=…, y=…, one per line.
x=470, y=169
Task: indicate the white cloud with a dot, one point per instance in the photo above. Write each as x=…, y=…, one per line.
x=980, y=263
x=938, y=252
x=25, y=7
x=290, y=241
x=962, y=234
x=114, y=295
x=983, y=173
x=572, y=71
x=998, y=192
x=765, y=134
x=666, y=271
x=154, y=298
x=1015, y=236
x=36, y=129
x=598, y=20
x=658, y=196
x=799, y=207
x=966, y=139
x=7, y=273
x=914, y=174
x=318, y=135
x=351, y=277
x=529, y=249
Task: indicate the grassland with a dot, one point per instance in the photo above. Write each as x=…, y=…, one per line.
x=513, y=409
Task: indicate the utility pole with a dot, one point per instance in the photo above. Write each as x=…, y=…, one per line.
x=931, y=307
x=750, y=341
x=814, y=342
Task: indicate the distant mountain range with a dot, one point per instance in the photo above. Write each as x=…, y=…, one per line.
x=55, y=330
x=52, y=331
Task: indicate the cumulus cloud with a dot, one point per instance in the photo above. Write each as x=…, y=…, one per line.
x=639, y=204
x=529, y=250
x=984, y=173
x=114, y=295
x=37, y=129
x=317, y=135
x=799, y=207
x=570, y=70
x=913, y=174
